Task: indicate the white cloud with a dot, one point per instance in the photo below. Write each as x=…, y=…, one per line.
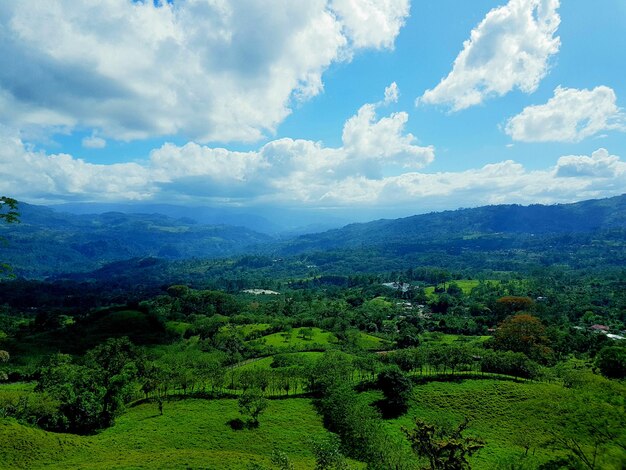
x=281, y=169
x=509, y=49
x=94, y=142
x=600, y=165
x=367, y=172
x=570, y=116
x=373, y=140
x=372, y=23
x=392, y=93
x=37, y=176
x=211, y=70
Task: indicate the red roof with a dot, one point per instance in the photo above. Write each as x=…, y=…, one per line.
x=600, y=327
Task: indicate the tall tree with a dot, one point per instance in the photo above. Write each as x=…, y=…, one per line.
x=444, y=450
x=523, y=333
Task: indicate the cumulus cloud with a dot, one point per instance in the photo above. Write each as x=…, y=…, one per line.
x=287, y=171
x=364, y=137
x=281, y=169
x=509, y=49
x=599, y=165
x=372, y=23
x=571, y=115
x=378, y=166
x=210, y=70
x=37, y=176
x=392, y=93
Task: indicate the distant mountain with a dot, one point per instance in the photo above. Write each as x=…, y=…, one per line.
x=203, y=215
x=482, y=223
x=48, y=242
x=268, y=220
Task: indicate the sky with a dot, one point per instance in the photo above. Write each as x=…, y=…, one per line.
x=355, y=108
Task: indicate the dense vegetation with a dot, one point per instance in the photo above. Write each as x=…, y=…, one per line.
x=269, y=362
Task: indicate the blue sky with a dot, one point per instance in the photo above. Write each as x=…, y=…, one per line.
x=357, y=108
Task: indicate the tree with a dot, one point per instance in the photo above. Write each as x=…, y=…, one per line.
x=252, y=403
x=523, y=333
x=612, y=362
x=397, y=389
x=444, y=450
x=287, y=333
x=306, y=333
x=91, y=395
x=511, y=304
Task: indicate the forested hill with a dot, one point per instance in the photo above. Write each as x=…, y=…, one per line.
x=589, y=233
x=483, y=223
x=48, y=242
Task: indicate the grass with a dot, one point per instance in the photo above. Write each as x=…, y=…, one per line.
x=266, y=362
x=11, y=392
x=247, y=330
x=466, y=285
x=444, y=338
x=371, y=343
x=504, y=414
x=191, y=433
x=320, y=339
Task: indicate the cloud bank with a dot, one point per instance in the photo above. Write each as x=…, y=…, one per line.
x=509, y=49
x=378, y=167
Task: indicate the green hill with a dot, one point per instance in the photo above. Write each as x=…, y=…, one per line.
x=191, y=434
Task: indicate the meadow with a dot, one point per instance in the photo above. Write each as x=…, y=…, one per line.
x=517, y=420
x=191, y=433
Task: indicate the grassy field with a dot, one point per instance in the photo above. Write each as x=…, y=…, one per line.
x=266, y=362
x=444, y=338
x=191, y=434
x=371, y=343
x=320, y=339
x=506, y=415
x=252, y=328
x=466, y=285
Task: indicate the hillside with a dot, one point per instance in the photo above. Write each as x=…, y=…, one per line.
x=489, y=222
x=48, y=242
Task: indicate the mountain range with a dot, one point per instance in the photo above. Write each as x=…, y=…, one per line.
x=48, y=242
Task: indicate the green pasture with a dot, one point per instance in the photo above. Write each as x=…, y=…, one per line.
x=444, y=338
x=509, y=416
x=266, y=362
x=252, y=328
x=191, y=433
x=466, y=285
x=371, y=343
x=294, y=341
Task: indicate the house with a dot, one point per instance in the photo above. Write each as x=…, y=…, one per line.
x=599, y=328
